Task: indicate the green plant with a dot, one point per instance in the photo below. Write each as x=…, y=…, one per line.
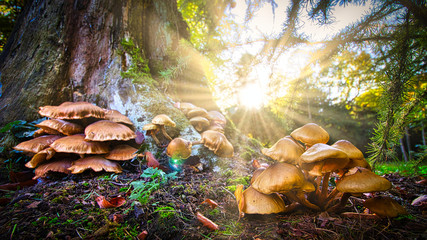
x=138, y=70
x=411, y=168
x=156, y=178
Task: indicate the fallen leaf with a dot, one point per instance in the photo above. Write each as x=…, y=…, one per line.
x=139, y=137
x=151, y=160
x=211, y=203
x=114, y=202
x=143, y=235
x=34, y=204
x=207, y=222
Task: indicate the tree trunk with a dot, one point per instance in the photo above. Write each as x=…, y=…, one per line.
x=71, y=51
x=408, y=142
x=402, y=148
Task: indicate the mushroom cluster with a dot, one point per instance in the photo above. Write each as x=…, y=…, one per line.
x=79, y=136
x=210, y=124
x=303, y=168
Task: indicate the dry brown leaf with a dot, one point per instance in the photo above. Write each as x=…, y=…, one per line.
x=207, y=222
x=114, y=202
x=211, y=203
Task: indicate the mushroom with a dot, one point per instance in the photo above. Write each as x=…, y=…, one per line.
x=152, y=130
x=256, y=173
x=116, y=116
x=357, y=181
x=287, y=179
x=320, y=160
x=55, y=166
x=199, y=123
x=354, y=154
x=217, y=117
x=40, y=157
x=198, y=112
x=251, y=201
x=179, y=148
x=217, y=142
x=385, y=207
x=106, y=130
x=96, y=163
x=37, y=144
x=121, y=152
x=185, y=107
x=310, y=134
x=58, y=126
x=161, y=121
x=284, y=150
x=72, y=110
x=77, y=144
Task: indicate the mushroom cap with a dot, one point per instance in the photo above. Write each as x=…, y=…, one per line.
x=77, y=144
x=310, y=134
x=218, y=143
x=106, y=130
x=198, y=112
x=37, y=144
x=150, y=127
x=256, y=173
x=54, y=166
x=354, y=154
x=40, y=157
x=214, y=126
x=281, y=178
x=179, y=148
x=321, y=158
x=361, y=180
x=284, y=150
x=72, y=110
x=217, y=117
x=199, y=123
x=185, y=107
x=116, y=116
x=121, y=152
x=96, y=163
x=60, y=126
x=385, y=206
x=163, y=119
x=254, y=202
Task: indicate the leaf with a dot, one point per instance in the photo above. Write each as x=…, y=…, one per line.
x=11, y=125
x=206, y=222
x=151, y=160
x=143, y=235
x=139, y=137
x=211, y=203
x=113, y=203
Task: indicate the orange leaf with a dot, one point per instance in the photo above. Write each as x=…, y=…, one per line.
x=151, y=160
x=114, y=202
x=211, y=203
x=143, y=235
x=206, y=222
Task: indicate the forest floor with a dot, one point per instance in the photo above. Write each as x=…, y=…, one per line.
x=65, y=207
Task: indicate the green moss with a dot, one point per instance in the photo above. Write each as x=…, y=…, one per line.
x=138, y=70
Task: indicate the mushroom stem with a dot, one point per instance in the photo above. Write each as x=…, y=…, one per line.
x=341, y=204
x=156, y=140
x=331, y=197
x=325, y=185
x=300, y=197
x=162, y=128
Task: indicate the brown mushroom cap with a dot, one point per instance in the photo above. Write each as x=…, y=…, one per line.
x=198, y=112
x=106, y=130
x=214, y=126
x=361, y=180
x=72, y=110
x=310, y=134
x=254, y=202
x=217, y=117
x=354, y=154
x=60, y=126
x=185, y=107
x=164, y=120
x=55, y=166
x=256, y=173
x=40, y=157
x=151, y=127
x=121, y=152
x=179, y=148
x=321, y=158
x=385, y=206
x=77, y=144
x=37, y=144
x=199, y=123
x=96, y=163
x=218, y=143
x=281, y=178
x=284, y=150
x=116, y=116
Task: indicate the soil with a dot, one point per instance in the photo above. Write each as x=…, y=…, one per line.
x=64, y=207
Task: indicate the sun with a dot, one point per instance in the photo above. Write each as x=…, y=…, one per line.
x=251, y=96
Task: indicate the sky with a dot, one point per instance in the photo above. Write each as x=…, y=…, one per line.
x=265, y=23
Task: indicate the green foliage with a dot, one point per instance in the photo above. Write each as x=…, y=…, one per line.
x=138, y=70
x=412, y=168
x=143, y=189
x=9, y=12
